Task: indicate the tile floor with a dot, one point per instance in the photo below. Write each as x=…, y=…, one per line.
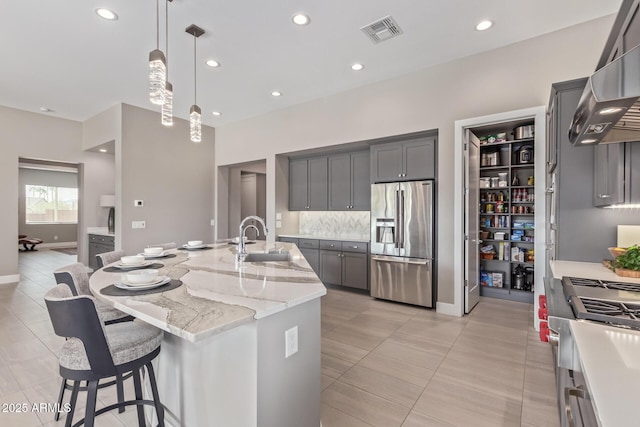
x=383, y=364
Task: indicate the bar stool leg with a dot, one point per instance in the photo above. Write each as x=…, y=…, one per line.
x=72, y=402
x=138, y=388
x=63, y=385
x=120, y=392
x=90, y=412
x=156, y=397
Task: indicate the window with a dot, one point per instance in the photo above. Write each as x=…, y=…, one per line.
x=51, y=205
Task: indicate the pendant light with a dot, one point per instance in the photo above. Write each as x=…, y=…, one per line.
x=157, y=67
x=195, y=114
x=167, y=105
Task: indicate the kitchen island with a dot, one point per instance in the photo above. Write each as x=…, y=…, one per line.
x=223, y=354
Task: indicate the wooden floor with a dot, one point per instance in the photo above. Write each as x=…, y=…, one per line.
x=383, y=364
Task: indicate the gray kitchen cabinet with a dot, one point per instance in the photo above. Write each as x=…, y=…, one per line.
x=616, y=174
x=99, y=244
x=608, y=174
x=308, y=248
x=308, y=186
x=349, y=187
x=331, y=267
x=404, y=161
x=344, y=264
x=355, y=270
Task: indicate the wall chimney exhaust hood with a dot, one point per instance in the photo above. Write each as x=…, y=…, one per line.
x=609, y=109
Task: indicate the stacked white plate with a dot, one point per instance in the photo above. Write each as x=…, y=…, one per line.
x=156, y=282
x=123, y=266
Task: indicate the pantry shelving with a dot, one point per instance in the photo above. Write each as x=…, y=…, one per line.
x=506, y=217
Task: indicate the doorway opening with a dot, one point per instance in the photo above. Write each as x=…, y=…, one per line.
x=246, y=191
x=470, y=210
x=49, y=202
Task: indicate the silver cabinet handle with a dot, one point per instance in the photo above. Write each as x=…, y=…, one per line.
x=568, y=392
x=399, y=175
x=332, y=246
x=603, y=196
x=353, y=247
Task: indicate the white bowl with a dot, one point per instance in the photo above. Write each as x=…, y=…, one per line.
x=132, y=259
x=142, y=277
x=156, y=250
x=194, y=243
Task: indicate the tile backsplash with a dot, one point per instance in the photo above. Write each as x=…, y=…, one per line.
x=334, y=222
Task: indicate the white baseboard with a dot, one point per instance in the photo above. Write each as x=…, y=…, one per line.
x=12, y=278
x=448, y=309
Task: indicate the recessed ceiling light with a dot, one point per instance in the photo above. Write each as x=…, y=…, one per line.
x=212, y=63
x=46, y=110
x=357, y=67
x=587, y=141
x=484, y=25
x=107, y=14
x=103, y=150
x=276, y=93
x=217, y=113
x=300, y=19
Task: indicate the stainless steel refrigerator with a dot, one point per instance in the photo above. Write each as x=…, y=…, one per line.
x=402, y=242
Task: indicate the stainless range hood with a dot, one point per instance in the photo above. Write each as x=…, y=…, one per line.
x=609, y=109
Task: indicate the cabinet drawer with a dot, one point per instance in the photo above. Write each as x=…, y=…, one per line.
x=289, y=240
x=355, y=247
x=331, y=245
x=96, y=238
x=308, y=243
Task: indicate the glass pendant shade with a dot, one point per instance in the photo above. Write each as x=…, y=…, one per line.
x=157, y=76
x=167, y=106
x=195, y=123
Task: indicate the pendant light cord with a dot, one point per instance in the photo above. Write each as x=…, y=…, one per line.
x=158, y=24
x=195, y=75
x=166, y=34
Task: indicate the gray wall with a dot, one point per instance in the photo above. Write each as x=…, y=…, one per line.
x=46, y=232
x=172, y=175
x=504, y=79
x=39, y=136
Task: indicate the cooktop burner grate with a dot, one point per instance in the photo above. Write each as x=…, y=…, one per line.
x=605, y=284
x=614, y=313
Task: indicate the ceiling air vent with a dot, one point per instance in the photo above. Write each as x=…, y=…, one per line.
x=381, y=30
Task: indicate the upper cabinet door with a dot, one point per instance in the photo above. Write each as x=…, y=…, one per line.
x=386, y=162
x=360, y=181
x=298, y=186
x=419, y=159
x=608, y=185
x=340, y=182
x=318, y=187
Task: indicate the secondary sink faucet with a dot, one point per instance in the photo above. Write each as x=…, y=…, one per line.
x=242, y=252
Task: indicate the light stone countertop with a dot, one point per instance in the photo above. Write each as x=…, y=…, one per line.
x=589, y=270
x=611, y=366
x=363, y=238
x=217, y=292
x=101, y=231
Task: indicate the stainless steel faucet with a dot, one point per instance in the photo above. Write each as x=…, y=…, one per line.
x=242, y=252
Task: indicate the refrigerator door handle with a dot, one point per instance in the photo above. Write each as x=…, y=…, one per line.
x=417, y=261
x=401, y=219
x=396, y=221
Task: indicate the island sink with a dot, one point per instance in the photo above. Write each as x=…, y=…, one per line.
x=267, y=257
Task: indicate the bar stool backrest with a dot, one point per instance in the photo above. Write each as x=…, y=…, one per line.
x=75, y=317
x=75, y=276
x=107, y=258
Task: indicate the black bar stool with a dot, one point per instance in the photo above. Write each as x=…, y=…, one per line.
x=94, y=351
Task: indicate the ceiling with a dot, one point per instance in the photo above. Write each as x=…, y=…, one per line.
x=62, y=56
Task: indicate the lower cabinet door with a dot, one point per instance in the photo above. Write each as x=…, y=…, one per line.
x=331, y=267
x=354, y=270
x=313, y=258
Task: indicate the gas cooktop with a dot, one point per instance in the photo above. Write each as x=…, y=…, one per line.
x=615, y=303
